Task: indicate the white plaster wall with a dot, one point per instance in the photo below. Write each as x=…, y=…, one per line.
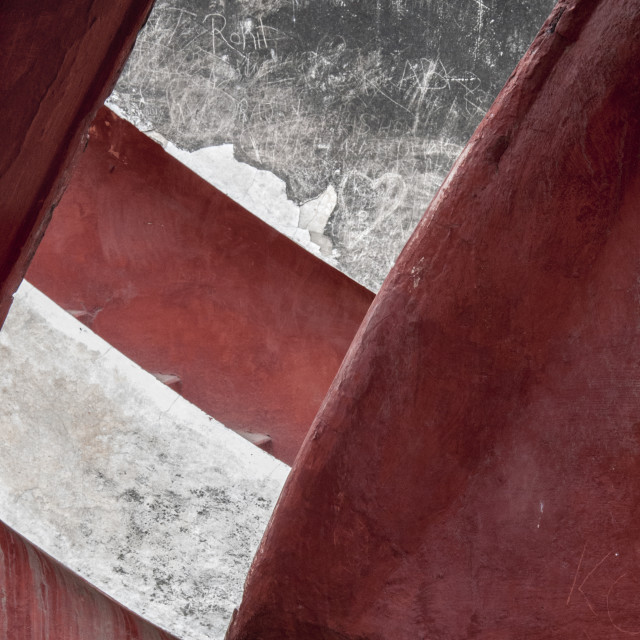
x=120, y=478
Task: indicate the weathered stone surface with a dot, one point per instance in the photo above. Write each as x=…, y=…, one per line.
x=186, y=282
x=122, y=480
x=473, y=471
x=57, y=66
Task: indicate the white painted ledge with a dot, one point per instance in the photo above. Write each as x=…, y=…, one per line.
x=121, y=479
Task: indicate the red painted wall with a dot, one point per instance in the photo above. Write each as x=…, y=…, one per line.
x=184, y=281
x=474, y=471
x=58, y=62
x=42, y=600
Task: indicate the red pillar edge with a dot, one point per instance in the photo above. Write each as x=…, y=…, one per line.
x=474, y=468
x=58, y=64
x=40, y=599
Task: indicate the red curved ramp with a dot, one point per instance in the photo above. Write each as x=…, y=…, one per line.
x=475, y=468
x=42, y=600
x=187, y=283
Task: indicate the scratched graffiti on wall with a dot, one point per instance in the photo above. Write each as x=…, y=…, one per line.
x=373, y=98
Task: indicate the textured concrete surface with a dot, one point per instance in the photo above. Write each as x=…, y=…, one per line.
x=123, y=480
x=474, y=469
x=186, y=282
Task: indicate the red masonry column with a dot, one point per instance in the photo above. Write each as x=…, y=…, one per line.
x=58, y=62
x=474, y=470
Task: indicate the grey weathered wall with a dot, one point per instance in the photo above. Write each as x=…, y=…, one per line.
x=374, y=98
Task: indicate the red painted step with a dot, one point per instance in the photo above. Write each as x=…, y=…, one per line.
x=183, y=280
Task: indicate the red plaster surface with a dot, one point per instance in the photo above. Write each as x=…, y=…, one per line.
x=58, y=62
x=186, y=282
x=40, y=599
x=475, y=468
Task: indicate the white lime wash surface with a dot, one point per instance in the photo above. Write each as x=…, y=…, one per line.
x=121, y=479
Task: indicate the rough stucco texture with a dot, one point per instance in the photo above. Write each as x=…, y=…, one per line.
x=184, y=281
x=58, y=62
x=474, y=469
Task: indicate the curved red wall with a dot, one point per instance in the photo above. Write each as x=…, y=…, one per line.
x=185, y=281
x=42, y=600
x=474, y=471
